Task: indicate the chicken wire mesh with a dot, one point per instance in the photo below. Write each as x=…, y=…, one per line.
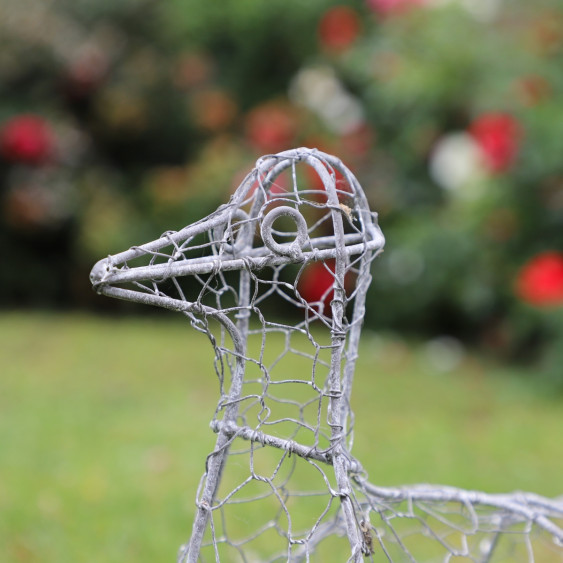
x=276, y=279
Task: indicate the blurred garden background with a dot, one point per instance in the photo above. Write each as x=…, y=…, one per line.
x=125, y=118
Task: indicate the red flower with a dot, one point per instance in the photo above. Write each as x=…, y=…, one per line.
x=540, y=281
x=533, y=89
x=358, y=143
x=315, y=183
x=498, y=136
x=192, y=70
x=339, y=28
x=271, y=127
x=391, y=7
x=28, y=139
x=213, y=110
x=279, y=188
x=315, y=284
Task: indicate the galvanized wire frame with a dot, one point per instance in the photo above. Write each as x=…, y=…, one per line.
x=281, y=483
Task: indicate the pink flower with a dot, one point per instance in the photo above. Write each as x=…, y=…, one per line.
x=339, y=28
x=392, y=7
x=271, y=127
x=540, y=281
x=498, y=136
x=28, y=139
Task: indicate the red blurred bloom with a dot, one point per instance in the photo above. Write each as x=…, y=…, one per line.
x=192, y=70
x=271, y=127
x=315, y=284
x=279, y=188
x=391, y=7
x=533, y=89
x=540, y=281
x=213, y=110
x=358, y=143
x=315, y=183
x=28, y=139
x=27, y=208
x=546, y=33
x=498, y=136
x=339, y=28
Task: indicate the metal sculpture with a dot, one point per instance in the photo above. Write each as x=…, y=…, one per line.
x=281, y=483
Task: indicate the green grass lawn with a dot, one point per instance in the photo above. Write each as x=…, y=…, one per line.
x=104, y=431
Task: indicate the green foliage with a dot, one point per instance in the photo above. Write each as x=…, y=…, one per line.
x=104, y=431
x=157, y=110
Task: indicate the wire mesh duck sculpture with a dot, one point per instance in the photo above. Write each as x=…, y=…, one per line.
x=281, y=483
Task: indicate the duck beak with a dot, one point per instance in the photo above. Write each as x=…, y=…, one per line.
x=241, y=235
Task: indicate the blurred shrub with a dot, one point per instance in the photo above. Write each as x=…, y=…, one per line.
x=122, y=119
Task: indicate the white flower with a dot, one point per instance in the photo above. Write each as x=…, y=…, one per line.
x=320, y=90
x=456, y=161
